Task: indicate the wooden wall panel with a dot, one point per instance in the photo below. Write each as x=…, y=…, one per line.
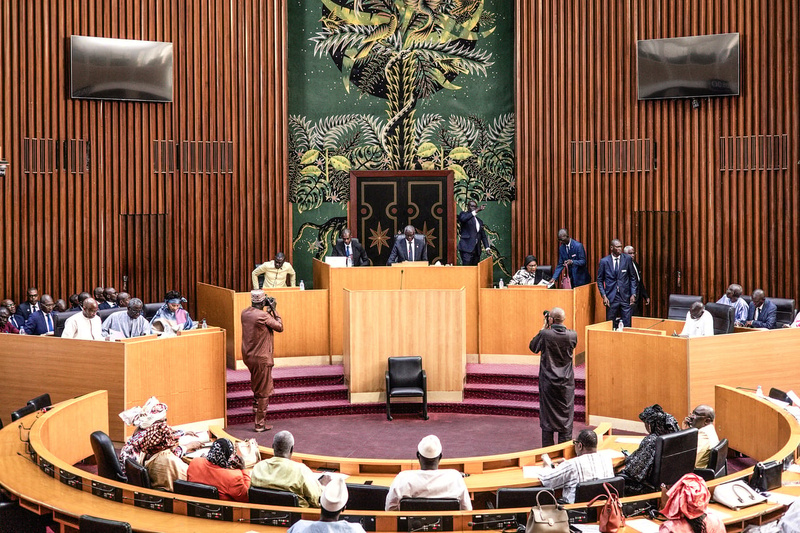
x=576, y=84
x=67, y=231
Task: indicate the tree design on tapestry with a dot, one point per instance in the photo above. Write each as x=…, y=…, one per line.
x=402, y=51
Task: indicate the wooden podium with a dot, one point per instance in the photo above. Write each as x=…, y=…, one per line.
x=382, y=324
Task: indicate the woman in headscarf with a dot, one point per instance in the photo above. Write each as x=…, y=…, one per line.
x=527, y=274
x=685, y=509
x=221, y=468
x=172, y=317
x=154, y=444
x=640, y=463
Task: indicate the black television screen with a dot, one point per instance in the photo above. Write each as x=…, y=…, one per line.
x=688, y=67
x=120, y=69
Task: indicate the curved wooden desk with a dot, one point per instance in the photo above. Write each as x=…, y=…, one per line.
x=60, y=438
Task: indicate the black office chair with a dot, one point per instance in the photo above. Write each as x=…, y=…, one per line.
x=679, y=305
x=366, y=497
x=150, y=310
x=429, y=504
x=198, y=490
x=40, y=402
x=512, y=497
x=724, y=317
x=786, y=311
x=106, y=457
x=137, y=474
x=747, y=298
x=406, y=379
x=61, y=319
x=280, y=498
x=92, y=524
x=675, y=456
x=717, y=462
x=587, y=490
x=23, y=411
x=546, y=270
x=105, y=313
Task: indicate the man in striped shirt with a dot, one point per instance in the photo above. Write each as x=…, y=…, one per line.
x=588, y=466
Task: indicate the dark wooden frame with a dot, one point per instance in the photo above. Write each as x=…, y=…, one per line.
x=356, y=175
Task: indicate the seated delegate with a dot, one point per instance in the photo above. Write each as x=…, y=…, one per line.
x=408, y=247
x=762, y=313
x=429, y=481
x=702, y=418
x=333, y=500
x=352, y=250
x=221, y=468
x=687, y=503
x=172, y=317
x=281, y=473
x=699, y=322
x=129, y=324
x=587, y=466
x=640, y=463
x=527, y=274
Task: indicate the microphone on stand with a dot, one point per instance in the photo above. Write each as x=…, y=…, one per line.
x=657, y=323
x=402, y=271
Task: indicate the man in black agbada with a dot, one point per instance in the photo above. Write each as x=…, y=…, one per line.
x=555, y=343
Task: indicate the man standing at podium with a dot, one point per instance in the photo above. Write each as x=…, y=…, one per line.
x=555, y=343
x=257, y=347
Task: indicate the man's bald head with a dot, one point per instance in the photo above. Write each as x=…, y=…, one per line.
x=558, y=315
x=90, y=306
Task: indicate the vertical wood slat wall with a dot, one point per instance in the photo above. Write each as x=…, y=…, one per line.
x=66, y=231
x=576, y=83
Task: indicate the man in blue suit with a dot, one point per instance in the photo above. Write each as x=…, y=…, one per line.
x=572, y=255
x=472, y=234
x=408, y=247
x=43, y=321
x=616, y=282
x=762, y=313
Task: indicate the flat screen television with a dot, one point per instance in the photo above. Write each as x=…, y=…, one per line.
x=688, y=67
x=120, y=69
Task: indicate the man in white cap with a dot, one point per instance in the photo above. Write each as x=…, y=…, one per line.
x=429, y=481
x=258, y=326
x=333, y=500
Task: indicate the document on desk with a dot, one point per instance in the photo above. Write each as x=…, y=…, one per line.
x=643, y=525
x=586, y=528
x=611, y=454
x=628, y=440
x=533, y=471
x=780, y=498
x=719, y=514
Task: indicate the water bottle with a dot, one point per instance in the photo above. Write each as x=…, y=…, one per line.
x=759, y=392
x=204, y=325
x=349, y=261
x=302, y=285
x=501, y=284
x=620, y=326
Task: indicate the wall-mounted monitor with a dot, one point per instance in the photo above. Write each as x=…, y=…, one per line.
x=688, y=67
x=120, y=69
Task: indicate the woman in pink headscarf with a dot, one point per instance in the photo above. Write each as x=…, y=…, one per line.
x=686, y=508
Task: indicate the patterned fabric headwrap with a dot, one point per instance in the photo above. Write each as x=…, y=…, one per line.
x=220, y=453
x=660, y=422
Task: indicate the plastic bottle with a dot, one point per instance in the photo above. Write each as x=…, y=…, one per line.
x=759, y=392
x=501, y=285
x=302, y=285
x=204, y=325
x=620, y=326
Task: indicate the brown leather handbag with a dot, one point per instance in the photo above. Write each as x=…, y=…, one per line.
x=610, y=517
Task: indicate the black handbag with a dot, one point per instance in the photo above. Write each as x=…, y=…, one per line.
x=767, y=476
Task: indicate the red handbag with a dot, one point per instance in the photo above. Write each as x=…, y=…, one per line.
x=610, y=517
x=565, y=282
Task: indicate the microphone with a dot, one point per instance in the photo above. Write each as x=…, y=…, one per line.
x=266, y=519
x=402, y=271
x=657, y=323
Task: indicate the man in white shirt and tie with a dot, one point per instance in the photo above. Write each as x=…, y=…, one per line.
x=351, y=249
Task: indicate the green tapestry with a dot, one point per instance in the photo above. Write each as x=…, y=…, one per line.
x=399, y=84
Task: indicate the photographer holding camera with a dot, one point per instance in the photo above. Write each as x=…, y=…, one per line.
x=555, y=343
x=258, y=327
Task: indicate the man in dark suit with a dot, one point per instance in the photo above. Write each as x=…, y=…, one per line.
x=352, y=249
x=572, y=256
x=642, y=297
x=762, y=313
x=43, y=321
x=617, y=284
x=473, y=234
x=408, y=247
x=110, y=295
x=25, y=309
x=15, y=319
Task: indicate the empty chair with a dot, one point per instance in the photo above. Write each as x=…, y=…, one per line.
x=509, y=498
x=430, y=504
x=198, y=490
x=281, y=498
x=137, y=474
x=587, y=490
x=724, y=317
x=92, y=524
x=22, y=411
x=406, y=379
x=41, y=401
x=675, y=456
x=366, y=497
x=679, y=305
x=546, y=270
x=717, y=462
x=106, y=457
x=786, y=311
